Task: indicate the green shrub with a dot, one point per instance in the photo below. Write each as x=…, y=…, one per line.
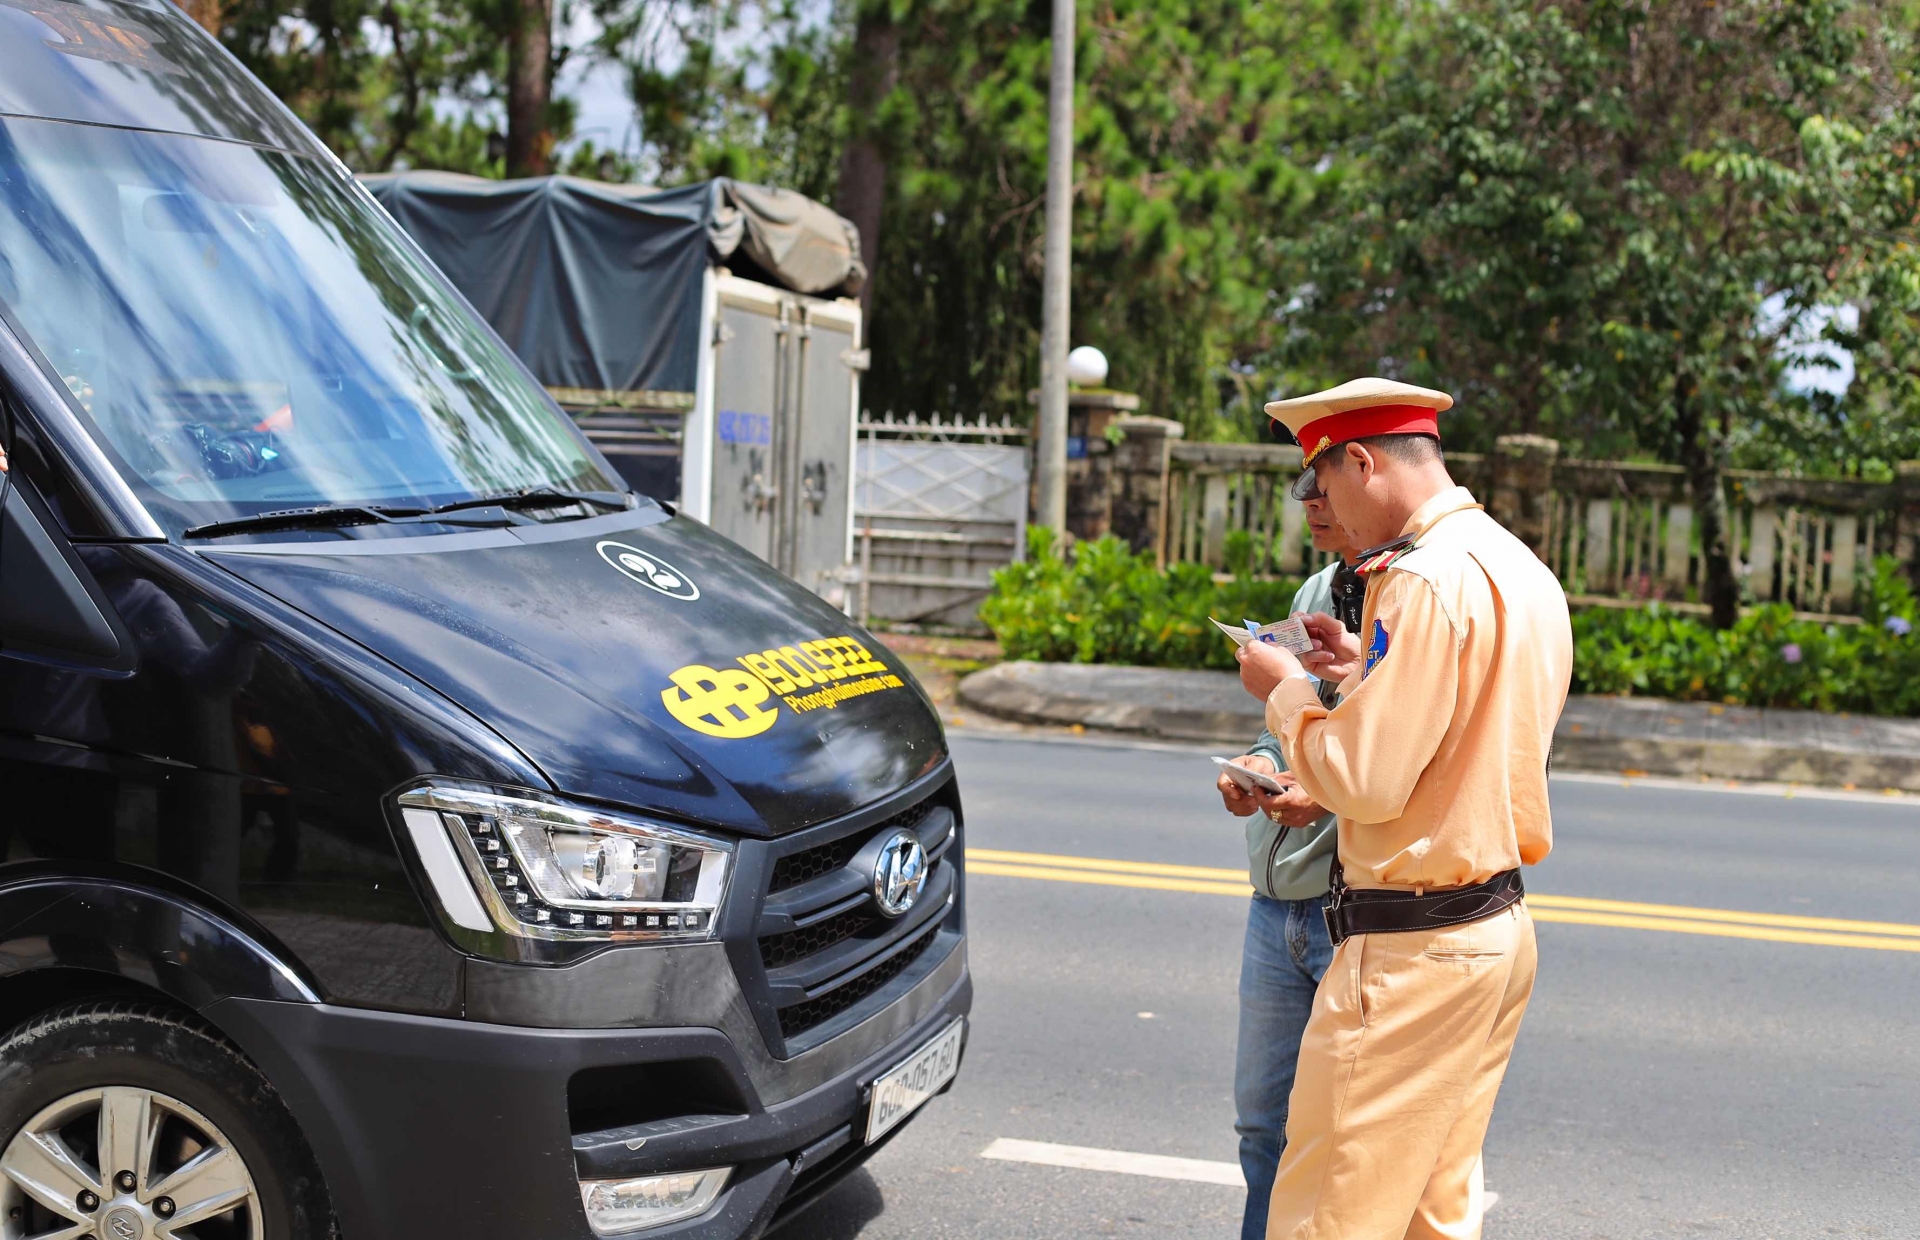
x=1767, y=659
x=1104, y=604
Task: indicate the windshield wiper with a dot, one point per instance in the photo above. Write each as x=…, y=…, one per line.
x=319, y=517
x=325, y=516
x=540, y=497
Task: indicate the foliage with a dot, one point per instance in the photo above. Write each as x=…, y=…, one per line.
x=751, y=89
x=1197, y=123
x=1767, y=659
x=385, y=83
x=1609, y=221
x=1102, y=603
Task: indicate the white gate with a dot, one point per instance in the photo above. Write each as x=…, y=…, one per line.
x=938, y=505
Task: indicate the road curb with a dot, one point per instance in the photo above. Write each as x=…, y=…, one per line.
x=1596, y=734
x=1014, y=691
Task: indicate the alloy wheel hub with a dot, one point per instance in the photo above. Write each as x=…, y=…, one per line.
x=123, y=1163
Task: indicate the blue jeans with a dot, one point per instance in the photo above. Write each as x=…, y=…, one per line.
x=1287, y=953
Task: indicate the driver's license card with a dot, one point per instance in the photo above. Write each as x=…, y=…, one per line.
x=1289, y=634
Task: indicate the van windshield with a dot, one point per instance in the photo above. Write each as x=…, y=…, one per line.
x=247, y=332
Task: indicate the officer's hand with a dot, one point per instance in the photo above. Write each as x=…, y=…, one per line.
x=1262, y=666
x=1239, y=803
x=1336, y=653
x=1292, y=808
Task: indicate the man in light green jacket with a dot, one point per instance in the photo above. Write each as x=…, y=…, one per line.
x=1290, y=844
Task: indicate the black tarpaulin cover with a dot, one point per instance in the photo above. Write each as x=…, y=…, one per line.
x=597, y=285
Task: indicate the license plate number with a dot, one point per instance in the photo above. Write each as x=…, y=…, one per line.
x=900, y=1092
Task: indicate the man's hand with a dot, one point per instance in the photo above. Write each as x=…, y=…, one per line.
x=1241, y=803
x=1262, y=666
x=1336, y=653
x=1292, y=808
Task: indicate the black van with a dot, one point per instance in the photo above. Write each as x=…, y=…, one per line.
x=404, y=830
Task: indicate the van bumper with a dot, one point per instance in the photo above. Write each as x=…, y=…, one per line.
x=434, y=1127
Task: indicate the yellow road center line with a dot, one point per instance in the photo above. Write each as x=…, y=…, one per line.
x=1575, y=910
x=1142, y=881
x=1784, y=920
x=1724, y=930
x=1111, y=867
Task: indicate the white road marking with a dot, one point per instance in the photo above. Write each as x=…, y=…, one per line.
x=1086, y=1158
x=1754, y=788
x=1160, y=1166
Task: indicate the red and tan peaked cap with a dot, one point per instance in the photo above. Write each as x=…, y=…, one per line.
x=1357, y=409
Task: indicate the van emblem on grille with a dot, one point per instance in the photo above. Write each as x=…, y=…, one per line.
x=649, y=570
x=900, y=873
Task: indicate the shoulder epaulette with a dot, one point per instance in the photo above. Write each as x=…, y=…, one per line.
x=1377, y=558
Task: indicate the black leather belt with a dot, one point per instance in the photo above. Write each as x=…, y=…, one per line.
x=1353, y=911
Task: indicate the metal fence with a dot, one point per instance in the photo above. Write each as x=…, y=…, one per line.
x=939, y=503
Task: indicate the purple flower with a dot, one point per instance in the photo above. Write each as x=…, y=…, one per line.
x=1791, y=652
x=1899, y=626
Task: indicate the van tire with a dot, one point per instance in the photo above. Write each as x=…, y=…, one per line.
x=167, y=1051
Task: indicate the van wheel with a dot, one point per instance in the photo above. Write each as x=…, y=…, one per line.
x=128, y=1120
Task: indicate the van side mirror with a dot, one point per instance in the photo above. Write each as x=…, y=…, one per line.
x=45, y=607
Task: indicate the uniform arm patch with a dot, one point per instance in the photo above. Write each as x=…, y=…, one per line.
x=1376, y=649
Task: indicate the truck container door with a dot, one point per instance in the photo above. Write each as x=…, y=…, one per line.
x=823, y=419
x=749, y=379
x=785, y=387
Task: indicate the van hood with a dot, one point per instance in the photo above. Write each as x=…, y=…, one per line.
x=637, y=659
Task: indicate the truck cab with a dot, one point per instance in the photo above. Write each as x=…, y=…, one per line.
x=405, y=830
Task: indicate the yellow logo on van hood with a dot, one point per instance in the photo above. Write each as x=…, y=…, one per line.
x=811, y=675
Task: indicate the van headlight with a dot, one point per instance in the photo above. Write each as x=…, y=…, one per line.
x=541, y=868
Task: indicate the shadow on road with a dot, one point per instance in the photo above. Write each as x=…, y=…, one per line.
x=841, y=1214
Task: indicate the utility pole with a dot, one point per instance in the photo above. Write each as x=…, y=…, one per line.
x=1055, y=316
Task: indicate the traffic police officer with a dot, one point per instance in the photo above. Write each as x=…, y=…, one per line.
x=1435, y=761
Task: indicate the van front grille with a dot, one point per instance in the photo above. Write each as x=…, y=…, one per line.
x=821, y=971
x=803, y=867
x=784, y=949
x=804, y=1016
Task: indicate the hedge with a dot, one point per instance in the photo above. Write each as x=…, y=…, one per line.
x=1104, y=604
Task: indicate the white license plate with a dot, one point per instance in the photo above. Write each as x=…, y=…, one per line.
x=900, y=1092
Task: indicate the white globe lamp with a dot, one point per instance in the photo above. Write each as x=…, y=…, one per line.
x=1086, y=367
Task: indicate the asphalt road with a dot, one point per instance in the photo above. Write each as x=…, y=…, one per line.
x=1668, y=1081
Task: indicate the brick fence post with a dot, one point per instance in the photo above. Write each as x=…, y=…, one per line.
x=1522, y=496
x=1906, y=531
x=1141, y=462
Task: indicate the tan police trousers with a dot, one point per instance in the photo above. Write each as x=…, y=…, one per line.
x=1401, y=1060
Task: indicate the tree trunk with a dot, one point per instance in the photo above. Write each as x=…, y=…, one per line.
x=205, y=13
x=1703, y=452
x=529, y=85
x=863, y=163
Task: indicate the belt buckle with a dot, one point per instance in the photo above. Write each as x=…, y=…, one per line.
x=1330, y=911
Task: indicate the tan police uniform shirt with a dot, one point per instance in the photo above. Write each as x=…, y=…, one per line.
x=1435, y=759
